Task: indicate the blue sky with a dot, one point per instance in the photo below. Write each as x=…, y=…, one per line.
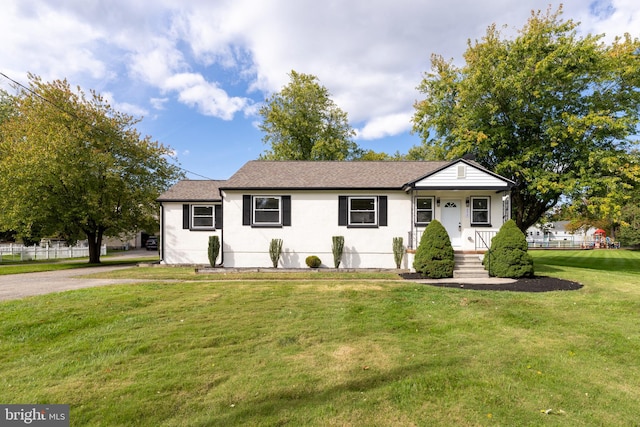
x=197, y=71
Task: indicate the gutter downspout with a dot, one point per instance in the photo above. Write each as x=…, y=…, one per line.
x=222, y=229
x=161, y=233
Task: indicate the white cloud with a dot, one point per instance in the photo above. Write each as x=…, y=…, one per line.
x=382, y=126
x=159, y=103
x=48, y=41
x=215, y=56
x=124, y=107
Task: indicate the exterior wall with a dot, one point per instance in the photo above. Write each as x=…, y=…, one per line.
x=314, y=220
x=472, y=177
x=179, y=246
x=469, y=239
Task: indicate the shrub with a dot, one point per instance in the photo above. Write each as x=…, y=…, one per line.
x=313, y=261
x=214, y=249
x=275, y=249
x=398, y=251
x=337, y=248
x=508, y=256
x=434, y=256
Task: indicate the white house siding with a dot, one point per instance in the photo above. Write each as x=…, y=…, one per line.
x=469, y=241
x=472, y=178
x=182, y=246
x=314, y=220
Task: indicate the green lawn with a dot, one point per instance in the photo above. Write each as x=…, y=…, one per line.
x=18, y=267
x=275, y=349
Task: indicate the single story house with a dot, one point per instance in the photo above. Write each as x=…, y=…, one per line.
x=305, y=203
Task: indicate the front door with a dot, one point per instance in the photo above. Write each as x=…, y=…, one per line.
x=451, y=220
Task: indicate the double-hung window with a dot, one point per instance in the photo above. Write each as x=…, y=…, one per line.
x=362, y=211
x=480, y=214
x=202, y=216
x=267, y=210
x=424, y=210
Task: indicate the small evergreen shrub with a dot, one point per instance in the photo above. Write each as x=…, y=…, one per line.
x=508, y=256
x=398, y=251
x=434, y=256
x=214, y=249
x=313, y=261
x=275, y=249
x=337, y=247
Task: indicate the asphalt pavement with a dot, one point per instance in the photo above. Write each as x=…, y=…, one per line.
x=16, y=286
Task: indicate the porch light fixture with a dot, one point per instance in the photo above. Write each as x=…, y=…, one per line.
x=467, y=201
x=437, y=201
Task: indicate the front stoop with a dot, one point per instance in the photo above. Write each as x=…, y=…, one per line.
x=469, y=266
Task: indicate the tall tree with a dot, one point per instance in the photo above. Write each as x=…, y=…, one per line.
x=548, y=109
x=73, y=165
x=301, y=122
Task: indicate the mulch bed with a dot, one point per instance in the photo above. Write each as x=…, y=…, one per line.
x=531, y=284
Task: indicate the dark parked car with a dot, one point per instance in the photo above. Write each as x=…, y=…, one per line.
x=152, y=243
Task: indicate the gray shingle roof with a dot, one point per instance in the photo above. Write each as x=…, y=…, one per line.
x=193, y=191
x=261, y=174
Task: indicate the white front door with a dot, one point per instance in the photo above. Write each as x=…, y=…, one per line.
x=451, y=220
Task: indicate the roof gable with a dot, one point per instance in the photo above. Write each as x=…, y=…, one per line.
x=462, y=174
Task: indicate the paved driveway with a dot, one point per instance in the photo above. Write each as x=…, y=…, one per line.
x=16, y=286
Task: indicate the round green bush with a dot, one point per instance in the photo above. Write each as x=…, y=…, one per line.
x=434, y=256
x=313, y=261
x=508, y=256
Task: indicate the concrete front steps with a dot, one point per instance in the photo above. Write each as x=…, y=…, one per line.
x=469, y=266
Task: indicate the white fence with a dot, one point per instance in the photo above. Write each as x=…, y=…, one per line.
x=17, y=252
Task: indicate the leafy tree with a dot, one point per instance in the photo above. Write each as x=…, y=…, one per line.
x=373, y=156
x=548, y=109
x=601, y=203
x=301, y=122
x=508, y=256
x=71, y=164
x=434, y=256
x=629, y=233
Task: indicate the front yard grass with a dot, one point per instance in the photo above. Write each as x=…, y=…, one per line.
x=19, y=267
x=280, y=350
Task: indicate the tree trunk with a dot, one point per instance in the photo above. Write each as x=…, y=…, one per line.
x=527, y=210
x=94, y=240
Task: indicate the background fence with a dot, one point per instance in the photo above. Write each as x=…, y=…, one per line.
x=15, y=252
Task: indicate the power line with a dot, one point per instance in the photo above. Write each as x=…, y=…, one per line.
x=78, y=118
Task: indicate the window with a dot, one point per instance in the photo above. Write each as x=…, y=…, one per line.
x=202, y=216
x=424, y=210
x=362, y=211
x=266, y=210
x=480, y=211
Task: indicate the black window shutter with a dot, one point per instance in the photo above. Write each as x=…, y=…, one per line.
x=218, y=216
x=186, y=214
x=286, y=210
x=246, y=210
x=342, y=210
x=382, y=211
